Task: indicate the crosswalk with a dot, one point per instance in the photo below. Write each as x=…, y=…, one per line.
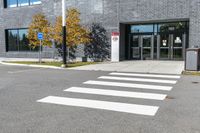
x=131, y=81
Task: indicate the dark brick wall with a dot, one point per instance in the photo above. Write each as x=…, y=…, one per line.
x=108, y=12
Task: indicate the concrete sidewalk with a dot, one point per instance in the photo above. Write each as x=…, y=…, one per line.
x=165, y=67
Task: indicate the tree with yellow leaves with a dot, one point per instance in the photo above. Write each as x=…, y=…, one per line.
x=39, y=24
x=76, y=33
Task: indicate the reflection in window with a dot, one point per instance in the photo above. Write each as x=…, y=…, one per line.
x=34, y=2
x=12, y=40
x=11, y=3
x=167, y=27
x=142, y=28
x=23, y=2
x=18, y=3
x=16, y=40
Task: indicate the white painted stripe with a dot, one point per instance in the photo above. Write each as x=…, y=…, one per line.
x=139, y=79
x=103, y=105
x=128, y=94
x=146, y=75
x=142, y=86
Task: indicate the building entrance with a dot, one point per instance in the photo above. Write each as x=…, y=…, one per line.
x=172, y=46
x=141, y=47
x=164, y=41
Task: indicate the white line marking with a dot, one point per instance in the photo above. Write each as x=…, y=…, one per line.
x=142, y=86
x=138, y=79
x=128, y=94
x=103, y=105
x=146, y=75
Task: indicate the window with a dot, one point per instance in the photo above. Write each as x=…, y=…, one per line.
x=16, y=40
x=11, y=3
x=19, y=3
x=142, y=28
x=23, y=2
x=34, y=2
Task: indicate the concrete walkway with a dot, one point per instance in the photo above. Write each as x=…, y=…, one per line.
x=163, y=67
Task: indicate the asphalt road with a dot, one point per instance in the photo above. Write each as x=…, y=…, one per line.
x=20, y=111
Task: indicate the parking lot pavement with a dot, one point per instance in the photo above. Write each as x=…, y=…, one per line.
x=164, y=84
x=60, y=101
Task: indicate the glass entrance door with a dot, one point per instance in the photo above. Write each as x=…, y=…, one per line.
x=179, y=46
x=172, y=46
x=135, y=47
x=147, y=47
x=141, y=47
x=165, y=46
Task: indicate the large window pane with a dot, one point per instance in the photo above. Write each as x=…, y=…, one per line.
x=17, y=40
x=18, y=3
x=12, y=40
x=167, y=27
x=34, y=2
x=142, y=28
x=23, y=40
x=23, y=2
x=11, y=3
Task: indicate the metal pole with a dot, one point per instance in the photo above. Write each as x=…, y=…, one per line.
x=64, y=32
x=40, y=60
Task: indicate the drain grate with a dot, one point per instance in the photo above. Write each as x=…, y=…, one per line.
x=195, y=82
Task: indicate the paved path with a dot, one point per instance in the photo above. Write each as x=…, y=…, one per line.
x=165, y=67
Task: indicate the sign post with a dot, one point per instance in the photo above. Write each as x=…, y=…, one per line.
x=115, y=47
x=40, y=37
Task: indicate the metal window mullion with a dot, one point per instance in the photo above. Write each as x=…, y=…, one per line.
x=141, y=47
x=18, y=39
x=129, y=47
x=152, y=47
x=171, y=46
x=158, y=47
x=184, y=46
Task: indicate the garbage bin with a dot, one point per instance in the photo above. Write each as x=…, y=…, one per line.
x=192, y=62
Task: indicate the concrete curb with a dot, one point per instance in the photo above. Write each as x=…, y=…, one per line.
x=35, y=66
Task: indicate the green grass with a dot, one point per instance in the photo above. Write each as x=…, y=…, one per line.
x=191, y=73
x=56, y=64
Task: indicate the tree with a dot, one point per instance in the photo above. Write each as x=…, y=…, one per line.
x=76, y=34
x=39, y=24
x=98, y=48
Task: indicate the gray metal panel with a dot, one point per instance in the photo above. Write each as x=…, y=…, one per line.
x=191, y=60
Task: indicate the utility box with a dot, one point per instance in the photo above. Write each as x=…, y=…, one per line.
x=192, y=62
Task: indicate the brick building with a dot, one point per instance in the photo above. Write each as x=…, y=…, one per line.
x=149, y=29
